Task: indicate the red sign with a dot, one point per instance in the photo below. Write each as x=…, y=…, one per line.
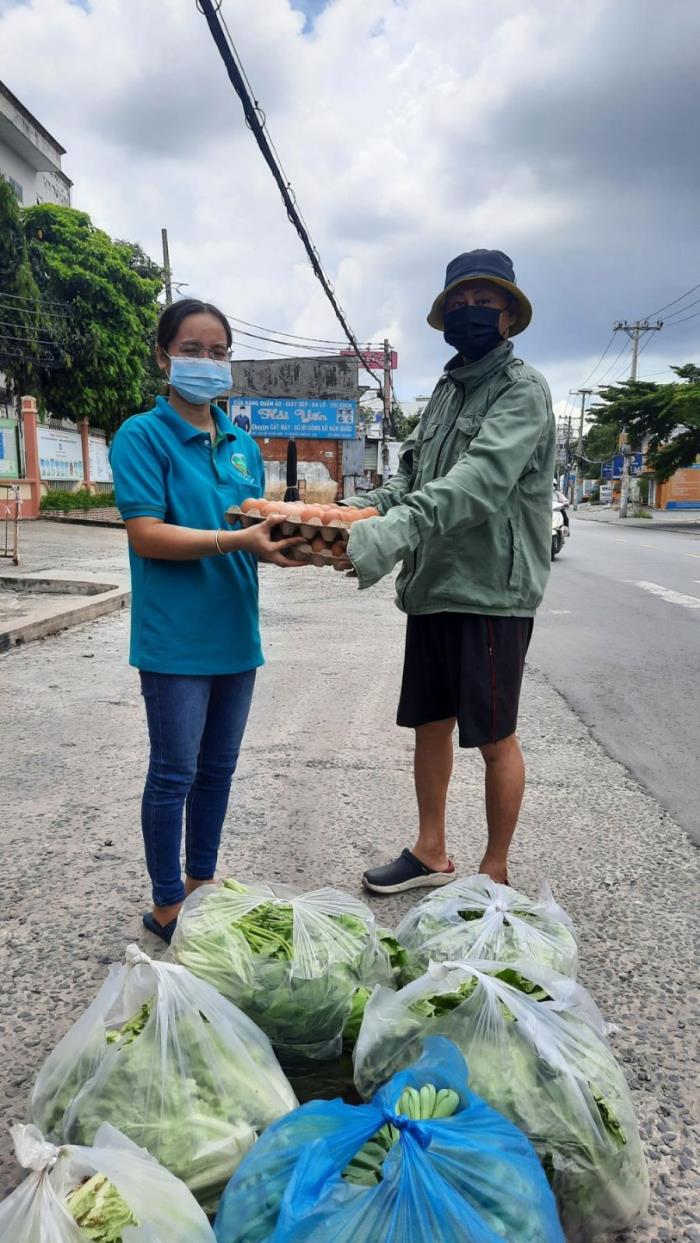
x=375, y=358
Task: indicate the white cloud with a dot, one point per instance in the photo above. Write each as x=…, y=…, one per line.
x=410, y=131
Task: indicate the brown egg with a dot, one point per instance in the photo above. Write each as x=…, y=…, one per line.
x=331, y=517
x=251, y=502
x=339, y=549
x=318, y=544
x=370, y=512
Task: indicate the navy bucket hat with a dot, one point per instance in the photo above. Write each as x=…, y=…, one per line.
x=482, y=265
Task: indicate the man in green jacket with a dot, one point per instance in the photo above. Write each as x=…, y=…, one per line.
x=468, y=516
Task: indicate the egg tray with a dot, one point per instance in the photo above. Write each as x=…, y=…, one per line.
x=307, y=530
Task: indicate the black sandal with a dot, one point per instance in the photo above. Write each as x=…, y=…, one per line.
x=164, y=931
x=406, y=872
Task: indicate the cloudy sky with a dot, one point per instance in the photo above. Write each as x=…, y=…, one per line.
x=563, y=133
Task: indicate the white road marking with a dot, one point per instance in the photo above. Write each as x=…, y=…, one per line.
x=649, y=545
x=560, y=612
x=666, y=593
x=693, y=554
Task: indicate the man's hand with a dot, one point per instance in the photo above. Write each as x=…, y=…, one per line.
x=257, y=539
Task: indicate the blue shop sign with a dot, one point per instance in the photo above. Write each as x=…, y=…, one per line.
x=306, y=417
x=613, y=468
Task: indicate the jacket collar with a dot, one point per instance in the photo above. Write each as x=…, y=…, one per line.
x=471, y=374
x=184, y=430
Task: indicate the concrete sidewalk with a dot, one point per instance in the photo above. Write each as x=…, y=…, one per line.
x=685, y=520
x=323, y=788
x=67, y=574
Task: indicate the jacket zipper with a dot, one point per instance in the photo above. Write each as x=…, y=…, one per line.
x=445, y=438
x=494, y=682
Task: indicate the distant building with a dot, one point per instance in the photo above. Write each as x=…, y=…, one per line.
x=30, y=157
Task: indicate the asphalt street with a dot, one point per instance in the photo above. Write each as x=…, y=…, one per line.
x=619, y=637
x=324, y=787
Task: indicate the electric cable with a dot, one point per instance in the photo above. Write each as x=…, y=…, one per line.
x=253, y=112
x=592, y=373
x=673, y=303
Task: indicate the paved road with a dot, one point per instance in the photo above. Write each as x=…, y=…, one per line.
x=619, y=637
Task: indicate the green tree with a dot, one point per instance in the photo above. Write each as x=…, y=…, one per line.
x=404, y=423
x=20, y=319
x=665, y=417
x=106, y=370
x=599, y=445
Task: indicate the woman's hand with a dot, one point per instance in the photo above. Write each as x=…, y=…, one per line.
x=257, y=539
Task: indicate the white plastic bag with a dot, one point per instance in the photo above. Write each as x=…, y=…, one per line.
x=294, y=962
x=161, y=1209
x=474, y=917
x=175, y=1066
x=535, y=1045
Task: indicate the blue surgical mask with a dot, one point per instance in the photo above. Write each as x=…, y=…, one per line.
x=200, y=380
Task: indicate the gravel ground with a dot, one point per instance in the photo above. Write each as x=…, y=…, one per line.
x=323, y=788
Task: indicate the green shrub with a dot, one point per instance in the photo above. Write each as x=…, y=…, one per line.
x=82, y=500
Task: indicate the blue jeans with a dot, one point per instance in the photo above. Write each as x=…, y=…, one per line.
x=196, y=726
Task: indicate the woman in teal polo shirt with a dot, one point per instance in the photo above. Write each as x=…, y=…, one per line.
x=194, y=616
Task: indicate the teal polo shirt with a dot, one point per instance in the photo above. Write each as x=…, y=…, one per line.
x=200, y=616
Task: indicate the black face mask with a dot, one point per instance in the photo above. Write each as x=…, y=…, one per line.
x=473, y=330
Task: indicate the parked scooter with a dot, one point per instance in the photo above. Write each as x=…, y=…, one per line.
x=560, y=528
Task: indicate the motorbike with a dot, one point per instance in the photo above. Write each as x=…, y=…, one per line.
x=560, y=529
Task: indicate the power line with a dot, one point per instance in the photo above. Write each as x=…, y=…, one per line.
x=613, y=364
x=276, y=332
x=670, y=318
x=259, y=349
x=673, y=303
x=15, y=297
x=592, y=373
x=275, y=341
x=253, y=112
x=674, y=322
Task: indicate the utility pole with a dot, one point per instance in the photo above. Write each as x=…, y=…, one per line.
x=583, y=393
x=386, y=418
x=167, y=272
x=635, y=332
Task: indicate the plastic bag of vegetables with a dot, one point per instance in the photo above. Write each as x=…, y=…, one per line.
x=176, y=1067
x=426, y=1161
x=536, y=1049
x=301, y=965
x=113, y=1192
x=476, y=918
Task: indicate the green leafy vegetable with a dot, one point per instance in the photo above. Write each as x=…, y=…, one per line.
x=97, y=1207
x=533, y=1057
x=473, y=918
x=306, y=990
x=195, y=1118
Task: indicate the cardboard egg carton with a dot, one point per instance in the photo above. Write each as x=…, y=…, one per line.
x=324, y=531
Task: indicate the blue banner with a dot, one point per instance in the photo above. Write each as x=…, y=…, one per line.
x=613, y=469
x=302, y=417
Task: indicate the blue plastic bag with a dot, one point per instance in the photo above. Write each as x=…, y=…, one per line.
x=473, y=1176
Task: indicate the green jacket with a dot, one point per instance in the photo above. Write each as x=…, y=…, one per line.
x=469, y=513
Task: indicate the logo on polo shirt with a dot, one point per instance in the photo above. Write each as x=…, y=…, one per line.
x=240, y=463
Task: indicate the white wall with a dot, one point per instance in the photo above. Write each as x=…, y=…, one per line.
x=12, y=165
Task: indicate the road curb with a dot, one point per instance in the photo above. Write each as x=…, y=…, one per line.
x=116, y=523
x=100, y=599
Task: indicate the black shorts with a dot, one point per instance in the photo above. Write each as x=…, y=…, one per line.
x=466, y=666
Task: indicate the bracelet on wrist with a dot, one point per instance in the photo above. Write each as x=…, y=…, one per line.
x=218, y=543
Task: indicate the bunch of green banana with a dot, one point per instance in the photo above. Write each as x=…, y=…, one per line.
x=422, y=1105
